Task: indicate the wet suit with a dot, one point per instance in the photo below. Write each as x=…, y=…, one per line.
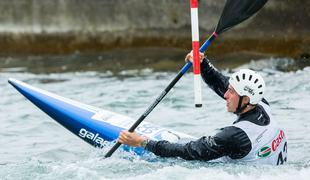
x=230, y=141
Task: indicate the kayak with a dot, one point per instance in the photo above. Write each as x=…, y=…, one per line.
x=97, y=127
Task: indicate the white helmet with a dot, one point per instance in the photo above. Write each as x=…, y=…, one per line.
x=248, y=83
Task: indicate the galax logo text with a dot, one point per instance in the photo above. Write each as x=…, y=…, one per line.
x=95, y=138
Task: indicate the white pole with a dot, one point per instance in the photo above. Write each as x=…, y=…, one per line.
x=196, y=58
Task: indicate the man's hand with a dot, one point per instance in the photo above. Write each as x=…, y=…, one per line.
x=189, y=57
x=131, y=139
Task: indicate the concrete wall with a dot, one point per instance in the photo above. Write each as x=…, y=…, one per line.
x=65, y=26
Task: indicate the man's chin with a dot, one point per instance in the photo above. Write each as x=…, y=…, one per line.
x=230, y=110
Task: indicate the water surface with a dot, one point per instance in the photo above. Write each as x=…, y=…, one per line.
x=33, y=146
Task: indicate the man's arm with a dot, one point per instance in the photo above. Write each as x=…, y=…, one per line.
x=215, y=80
x=230, y=141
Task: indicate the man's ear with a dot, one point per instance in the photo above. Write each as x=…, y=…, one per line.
x=246, y=100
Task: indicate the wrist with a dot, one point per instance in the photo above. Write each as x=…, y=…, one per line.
x=206, y=66
x=144, y=142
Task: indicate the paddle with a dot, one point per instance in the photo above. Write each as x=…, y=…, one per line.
x=234, y=12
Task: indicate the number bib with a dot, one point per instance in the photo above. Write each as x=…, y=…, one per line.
x=269, y=144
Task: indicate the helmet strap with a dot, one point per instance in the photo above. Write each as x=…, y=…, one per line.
x=239, y=108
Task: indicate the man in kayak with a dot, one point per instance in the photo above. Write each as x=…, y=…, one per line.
x=254, y=137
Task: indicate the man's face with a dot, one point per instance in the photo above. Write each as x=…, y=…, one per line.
x=232, y=99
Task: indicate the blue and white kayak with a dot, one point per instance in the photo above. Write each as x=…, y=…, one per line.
x=94, y=125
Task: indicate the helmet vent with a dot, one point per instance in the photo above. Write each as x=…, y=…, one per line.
x=243, y=76
x=255, y=81
x=260, y=86
x=237, y=77
x=260, y=92
x=250, y=77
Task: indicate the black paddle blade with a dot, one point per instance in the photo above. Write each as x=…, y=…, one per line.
x=236, y=11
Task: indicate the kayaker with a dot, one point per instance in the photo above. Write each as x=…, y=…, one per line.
x=253, y=137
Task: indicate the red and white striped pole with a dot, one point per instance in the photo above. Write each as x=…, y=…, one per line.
x=195, y=46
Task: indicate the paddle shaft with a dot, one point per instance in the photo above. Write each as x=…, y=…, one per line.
x=147, y=112
x=163, y=94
